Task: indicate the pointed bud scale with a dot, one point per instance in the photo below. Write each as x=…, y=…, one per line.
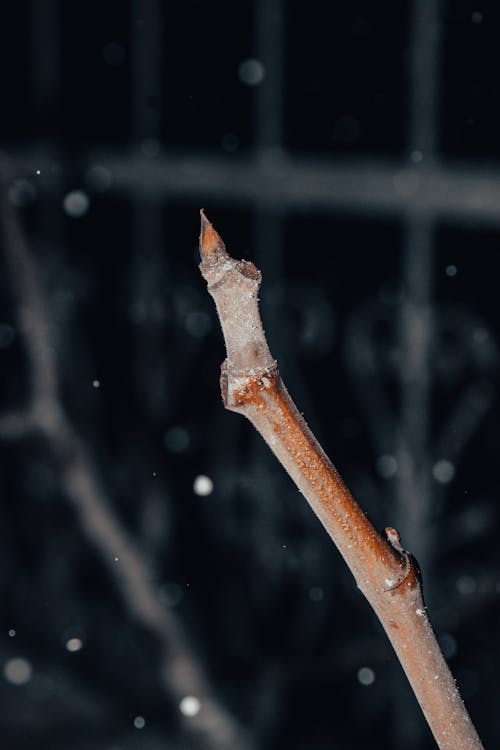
x=211, y=246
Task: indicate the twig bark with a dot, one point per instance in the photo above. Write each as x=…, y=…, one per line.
x=385, y=572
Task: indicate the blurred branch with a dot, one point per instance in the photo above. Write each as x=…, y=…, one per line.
x=211, y=726
x=386, y=574
x=371, y=187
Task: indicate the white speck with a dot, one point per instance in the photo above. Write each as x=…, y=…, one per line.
x=74, y=644
x=477, y=17
x=386, y=466
x=416, y=156
x=176, y=439
x=114, y=54
x=466, y=585
x=266, y=382
x=443, y=471
x=451, y=270
x=96, y=384
x=17, y=671
x=316, y=594
x=116, y=559
x=190, y=706
x=76, y=203
x=139, y=722
x=436, y=676
x=420, y=612
x=12, y=633
x=251, y=72
x=38, y=171
x=203, y=486
x=389, y=582
x=366, y=676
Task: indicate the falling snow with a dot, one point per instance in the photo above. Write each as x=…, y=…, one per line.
x=138, y=120
x=451, y=270
x=17, y=671
x=443, y=471
x=190, y=706
x=203, y=485
x=74, y=644
x=251, y=72
x=76, y=203
x=366, y=676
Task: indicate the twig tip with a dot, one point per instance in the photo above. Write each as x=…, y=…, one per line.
x=211, y=245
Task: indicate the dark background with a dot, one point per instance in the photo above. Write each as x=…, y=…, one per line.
x=352, y=151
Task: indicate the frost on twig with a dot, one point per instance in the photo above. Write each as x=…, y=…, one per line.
x=386, y=574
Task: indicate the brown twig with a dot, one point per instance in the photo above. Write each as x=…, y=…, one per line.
x=386, y=574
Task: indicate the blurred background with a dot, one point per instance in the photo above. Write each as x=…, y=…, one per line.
x=163, y=584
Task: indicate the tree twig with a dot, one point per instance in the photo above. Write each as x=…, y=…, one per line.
x=384, y=571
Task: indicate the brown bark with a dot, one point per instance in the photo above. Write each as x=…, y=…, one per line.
x=385, y=573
